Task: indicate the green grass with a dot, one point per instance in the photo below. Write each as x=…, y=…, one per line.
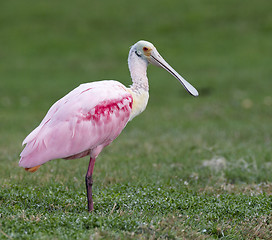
x=187, y=168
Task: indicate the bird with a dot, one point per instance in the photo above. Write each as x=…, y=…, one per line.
x=91, y=116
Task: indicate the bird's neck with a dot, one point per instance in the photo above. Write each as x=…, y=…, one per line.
x=137, y=68
x=139, y=87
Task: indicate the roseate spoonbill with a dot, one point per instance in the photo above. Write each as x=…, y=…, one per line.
x=92, y=115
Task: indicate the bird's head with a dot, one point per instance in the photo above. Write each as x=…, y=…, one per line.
x=143, y=49
x=146, y=51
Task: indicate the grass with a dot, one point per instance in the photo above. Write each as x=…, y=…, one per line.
x=187, y=168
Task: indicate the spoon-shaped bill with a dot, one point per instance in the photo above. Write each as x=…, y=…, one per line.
x=156, y=59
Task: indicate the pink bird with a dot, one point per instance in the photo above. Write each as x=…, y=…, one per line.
x=92, y=115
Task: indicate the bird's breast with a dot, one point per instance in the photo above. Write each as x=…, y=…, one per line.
x=140, y=99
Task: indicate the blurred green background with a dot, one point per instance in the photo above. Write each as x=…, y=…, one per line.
x=223, y=48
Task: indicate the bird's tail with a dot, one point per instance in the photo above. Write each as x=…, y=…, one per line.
x=33, y=169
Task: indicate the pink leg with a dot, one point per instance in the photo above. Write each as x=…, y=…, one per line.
x=89, y=184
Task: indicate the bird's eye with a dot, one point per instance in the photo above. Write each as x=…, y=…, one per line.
x=145, y=49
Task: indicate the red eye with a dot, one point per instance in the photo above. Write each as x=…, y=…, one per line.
x=145, y=48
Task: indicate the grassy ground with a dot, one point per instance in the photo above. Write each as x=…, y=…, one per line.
x=187, y=168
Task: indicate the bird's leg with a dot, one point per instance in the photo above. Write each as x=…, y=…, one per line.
x=89, y=183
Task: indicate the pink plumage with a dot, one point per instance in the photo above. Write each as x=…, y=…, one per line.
x=81, y=123
x=91, y=116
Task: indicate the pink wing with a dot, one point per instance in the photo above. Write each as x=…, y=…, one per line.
x=82, y=122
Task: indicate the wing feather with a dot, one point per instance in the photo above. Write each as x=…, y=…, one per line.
x=91, y=115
